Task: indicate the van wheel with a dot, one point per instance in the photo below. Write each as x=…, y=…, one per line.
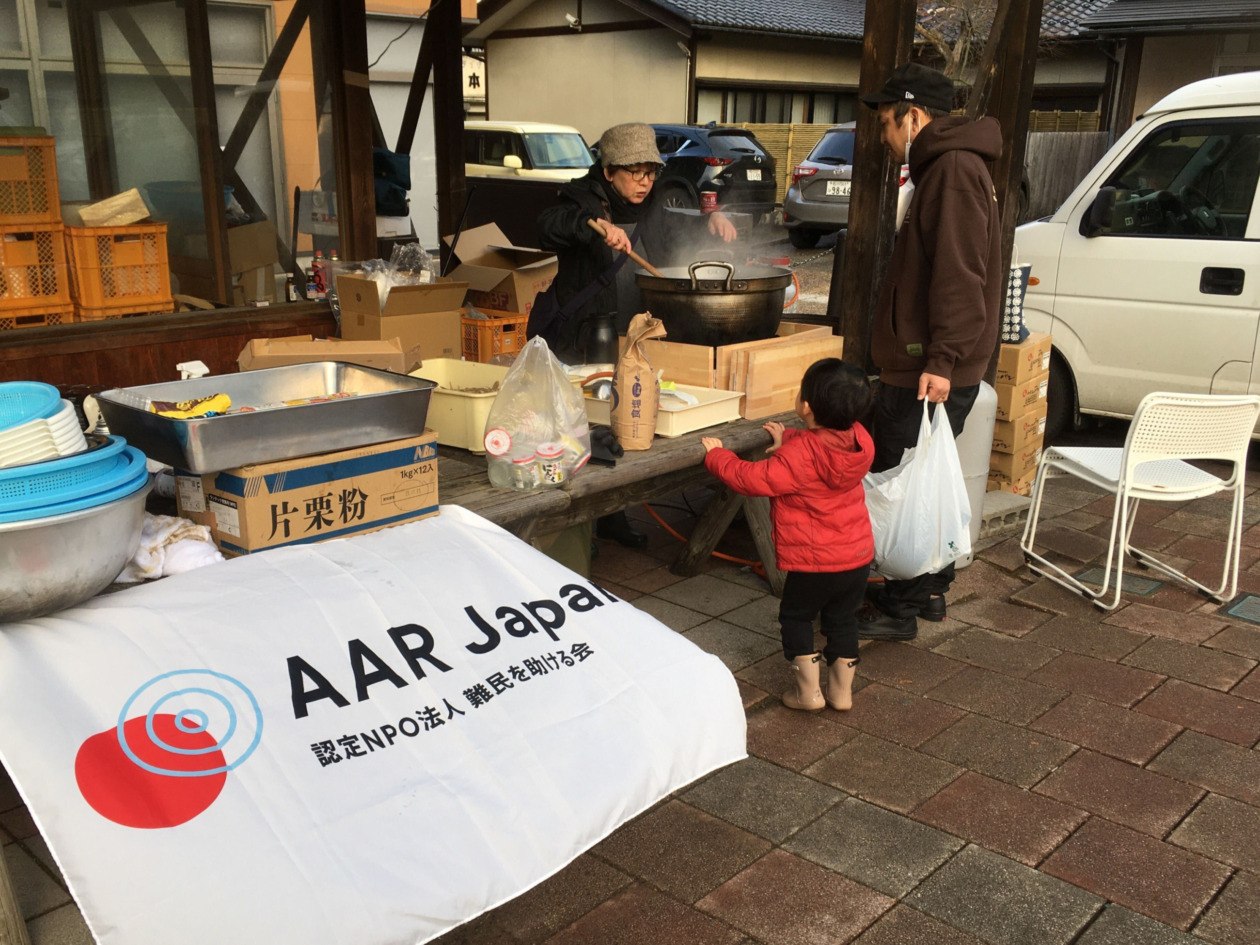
x=1060, y=399
x=803, y=239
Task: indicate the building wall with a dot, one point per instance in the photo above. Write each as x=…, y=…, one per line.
x=588, y=80
x=1169, y=62
x=736, y=57
x=1072, y=65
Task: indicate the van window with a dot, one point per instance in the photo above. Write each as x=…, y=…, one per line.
x=1189, y=179
x=472, y=147
x=552, y=149
x=496, y=145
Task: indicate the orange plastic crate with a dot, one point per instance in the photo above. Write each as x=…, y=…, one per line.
x=501, y=333
x=34, y=277
x=28, y=181
x=88, y=313
x=117, y=266
x=64, y=315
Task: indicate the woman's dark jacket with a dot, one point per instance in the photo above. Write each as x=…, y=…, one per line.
x=584, y=257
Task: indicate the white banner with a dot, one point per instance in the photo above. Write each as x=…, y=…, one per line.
x=361, y=741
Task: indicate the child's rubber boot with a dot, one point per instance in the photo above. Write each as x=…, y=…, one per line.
x=806, y=695
x=840, y=684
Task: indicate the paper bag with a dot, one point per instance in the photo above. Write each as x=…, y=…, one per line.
x=636, y=391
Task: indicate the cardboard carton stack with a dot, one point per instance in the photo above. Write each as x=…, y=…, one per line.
x=1022, y=381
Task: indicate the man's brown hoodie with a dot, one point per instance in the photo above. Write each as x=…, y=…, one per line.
x=940, y=305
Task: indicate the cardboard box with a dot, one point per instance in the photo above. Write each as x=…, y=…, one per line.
x=1024, y=361
x=387, y=355
x=314, y=498
x=253, y=256
x=1009, y=436
x=424, y=318
x=1017, y=465
x=1015, y=400
x=1022, y=486
x=500, y=275
x=768, y=372
x=118, y=210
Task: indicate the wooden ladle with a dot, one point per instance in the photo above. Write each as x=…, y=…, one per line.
x=599, y=228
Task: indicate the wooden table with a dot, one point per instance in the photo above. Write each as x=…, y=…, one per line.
x=671, y=464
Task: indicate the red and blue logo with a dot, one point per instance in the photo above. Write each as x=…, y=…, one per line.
x=167, y=760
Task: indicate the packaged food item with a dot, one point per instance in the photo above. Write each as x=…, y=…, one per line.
x=551, y=463
x=209, y=406
x=636, y=395
x=526, y=473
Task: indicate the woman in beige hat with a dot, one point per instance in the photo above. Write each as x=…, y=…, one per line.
x=594, y=277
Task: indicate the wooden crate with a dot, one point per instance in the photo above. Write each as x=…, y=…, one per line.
x=768, y=372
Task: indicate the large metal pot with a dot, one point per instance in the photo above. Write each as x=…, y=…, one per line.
x=715, y=303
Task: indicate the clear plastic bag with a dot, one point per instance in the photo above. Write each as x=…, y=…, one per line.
x=920, y=511
x=537, y=434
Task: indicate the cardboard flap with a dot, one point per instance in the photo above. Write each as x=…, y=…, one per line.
x=436, y=297
x=472, y=244
x=480, y=278
x=515, y=257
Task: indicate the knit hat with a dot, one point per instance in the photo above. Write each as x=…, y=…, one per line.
x=628, y=144
x=917, y=85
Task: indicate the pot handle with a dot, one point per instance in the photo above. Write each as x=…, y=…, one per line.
x=717, y=263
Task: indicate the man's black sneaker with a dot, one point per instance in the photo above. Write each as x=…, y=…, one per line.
x=935, y=609
x=874, y=624
x=617, y=527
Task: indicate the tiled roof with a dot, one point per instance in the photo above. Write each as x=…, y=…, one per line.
x=834, y=19
x=1060, y=19
x=1063, y=19
x=1144, y=16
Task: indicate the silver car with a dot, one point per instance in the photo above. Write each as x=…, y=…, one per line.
x=817, y=202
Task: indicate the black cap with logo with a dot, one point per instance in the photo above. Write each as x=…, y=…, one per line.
x=916, y=84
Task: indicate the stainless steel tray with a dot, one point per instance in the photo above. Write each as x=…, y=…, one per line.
x=385, y=406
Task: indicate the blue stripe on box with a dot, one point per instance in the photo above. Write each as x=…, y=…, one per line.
x=322, y=473
x=339, y=533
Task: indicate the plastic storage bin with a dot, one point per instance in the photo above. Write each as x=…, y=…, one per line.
x=119, y=270
x=501, y=333
x=28, y=181
x=34, y=276
x=460, y=404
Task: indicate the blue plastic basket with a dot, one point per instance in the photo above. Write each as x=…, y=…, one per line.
x=135, y=484
x=24, y=401
x=69, y=477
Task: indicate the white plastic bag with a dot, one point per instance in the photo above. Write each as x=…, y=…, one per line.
x=537, y=434
x=920, y=511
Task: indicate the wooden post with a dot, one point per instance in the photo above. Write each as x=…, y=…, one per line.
x=1009, y=102
x=448, y=116
x=857, y=273
x=12, y=925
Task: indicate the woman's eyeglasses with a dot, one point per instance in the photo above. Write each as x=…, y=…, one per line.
x=640, y=173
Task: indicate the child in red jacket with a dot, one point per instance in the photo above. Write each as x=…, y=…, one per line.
x=822, y=533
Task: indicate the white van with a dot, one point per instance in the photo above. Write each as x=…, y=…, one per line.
x=524, y=149
x=1148, y=276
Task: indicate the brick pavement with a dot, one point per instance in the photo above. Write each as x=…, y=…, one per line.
x=1030, y=770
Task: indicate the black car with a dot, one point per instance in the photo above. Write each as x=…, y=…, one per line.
x=708, y=167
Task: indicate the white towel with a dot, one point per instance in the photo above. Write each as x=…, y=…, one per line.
x=169, y=545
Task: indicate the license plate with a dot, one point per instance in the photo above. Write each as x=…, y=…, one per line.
x=838, y=188
x=754, y=174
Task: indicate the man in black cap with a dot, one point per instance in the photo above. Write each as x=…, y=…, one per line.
x=936, y=322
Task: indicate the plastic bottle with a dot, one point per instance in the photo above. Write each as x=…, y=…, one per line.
x=319, y=274
x=551, y=464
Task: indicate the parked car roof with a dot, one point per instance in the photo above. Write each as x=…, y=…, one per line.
x=523, y=127
x=1242, y=88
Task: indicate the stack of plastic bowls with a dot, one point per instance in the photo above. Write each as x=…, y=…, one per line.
x=36, y=424
x=71, y=508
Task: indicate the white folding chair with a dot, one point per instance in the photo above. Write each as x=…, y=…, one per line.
x=1167, y=430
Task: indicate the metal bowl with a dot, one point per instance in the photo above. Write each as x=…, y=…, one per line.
x=49, y=564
